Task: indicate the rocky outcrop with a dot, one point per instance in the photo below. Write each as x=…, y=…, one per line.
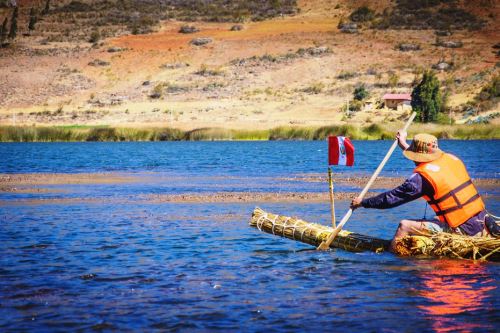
x=450, y=44
x=201, y=41
x=188, y=29
x=236, y=27
x=405, y=47
x=442, y=66
x=98, y=62
x=348, y=28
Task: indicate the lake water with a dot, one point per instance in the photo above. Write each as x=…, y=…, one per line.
x=120, y=264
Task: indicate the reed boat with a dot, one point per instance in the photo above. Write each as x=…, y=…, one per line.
x=431, y=245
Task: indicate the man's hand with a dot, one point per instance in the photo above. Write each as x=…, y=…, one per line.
x=355, y=203
x=401, y=137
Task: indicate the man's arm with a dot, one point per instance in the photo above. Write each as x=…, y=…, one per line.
x=413, y=188
x=401, y=137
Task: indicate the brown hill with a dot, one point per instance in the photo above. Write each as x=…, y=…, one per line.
x=296, y=68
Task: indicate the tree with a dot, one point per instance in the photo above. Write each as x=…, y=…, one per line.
x=426, y=98
x=45, y=11
x=13, y=24
x=33, y=20
x=94, y=36
x=360, y=93
x=362, y=14
x=3, y=32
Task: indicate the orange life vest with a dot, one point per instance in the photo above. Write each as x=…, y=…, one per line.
x=455, y=198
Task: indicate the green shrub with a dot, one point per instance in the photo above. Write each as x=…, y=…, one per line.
x=360, y=93
x=374, y=130
x=74, y=6
x=158, y=90
x=95, y=36
x=428, y=14
x=345, y=75
x=315, y=88
x=13, y=24
x=3, y=32
x=362, y=14
x=32, y=20
x=205, y=71
x=355, y=105
x=491, y=90
x=444, y=119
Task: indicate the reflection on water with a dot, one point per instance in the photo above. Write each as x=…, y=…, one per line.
x=453, y=287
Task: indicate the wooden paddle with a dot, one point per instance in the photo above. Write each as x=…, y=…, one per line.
x=325, y=245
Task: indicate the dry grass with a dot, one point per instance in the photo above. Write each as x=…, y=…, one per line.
x=450, y=245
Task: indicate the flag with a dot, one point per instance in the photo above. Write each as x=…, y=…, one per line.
x=340, y=151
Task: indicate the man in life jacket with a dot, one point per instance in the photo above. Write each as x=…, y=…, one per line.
x=442, y=180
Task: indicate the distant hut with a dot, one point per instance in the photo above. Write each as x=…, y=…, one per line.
x=395, y=101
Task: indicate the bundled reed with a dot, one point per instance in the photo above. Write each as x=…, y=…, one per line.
x=314, y=234
x=449, y=245
x=433, y=245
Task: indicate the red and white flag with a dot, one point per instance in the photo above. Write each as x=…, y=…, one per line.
x=340, y=151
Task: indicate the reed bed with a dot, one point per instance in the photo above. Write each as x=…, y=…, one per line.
x=312, y=233
x=462, y=132
x=105, y=133
x=449, y=245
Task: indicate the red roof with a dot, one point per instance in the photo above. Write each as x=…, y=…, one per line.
x=399, y=97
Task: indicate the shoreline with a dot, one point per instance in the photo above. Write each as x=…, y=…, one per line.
x=368, y=131
x=210, y=198
x=89, y=178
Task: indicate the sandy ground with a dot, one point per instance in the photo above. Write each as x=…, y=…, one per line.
x=64, y=178
x=251, y=197
x=34, y=183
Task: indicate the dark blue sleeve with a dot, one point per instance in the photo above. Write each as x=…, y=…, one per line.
x=413, y=188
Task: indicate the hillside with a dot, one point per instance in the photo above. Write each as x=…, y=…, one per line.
x=126, y=64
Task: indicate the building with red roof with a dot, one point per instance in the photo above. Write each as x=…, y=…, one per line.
x=394, y=100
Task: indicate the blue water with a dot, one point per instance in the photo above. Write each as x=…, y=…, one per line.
x=123, y=264
x=268, y=158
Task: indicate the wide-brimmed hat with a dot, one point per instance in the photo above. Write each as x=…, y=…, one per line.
x=423, y=148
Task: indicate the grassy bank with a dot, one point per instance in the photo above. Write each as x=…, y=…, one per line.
x=372, y=132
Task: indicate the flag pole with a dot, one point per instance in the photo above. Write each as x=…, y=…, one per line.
x=332, y=199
